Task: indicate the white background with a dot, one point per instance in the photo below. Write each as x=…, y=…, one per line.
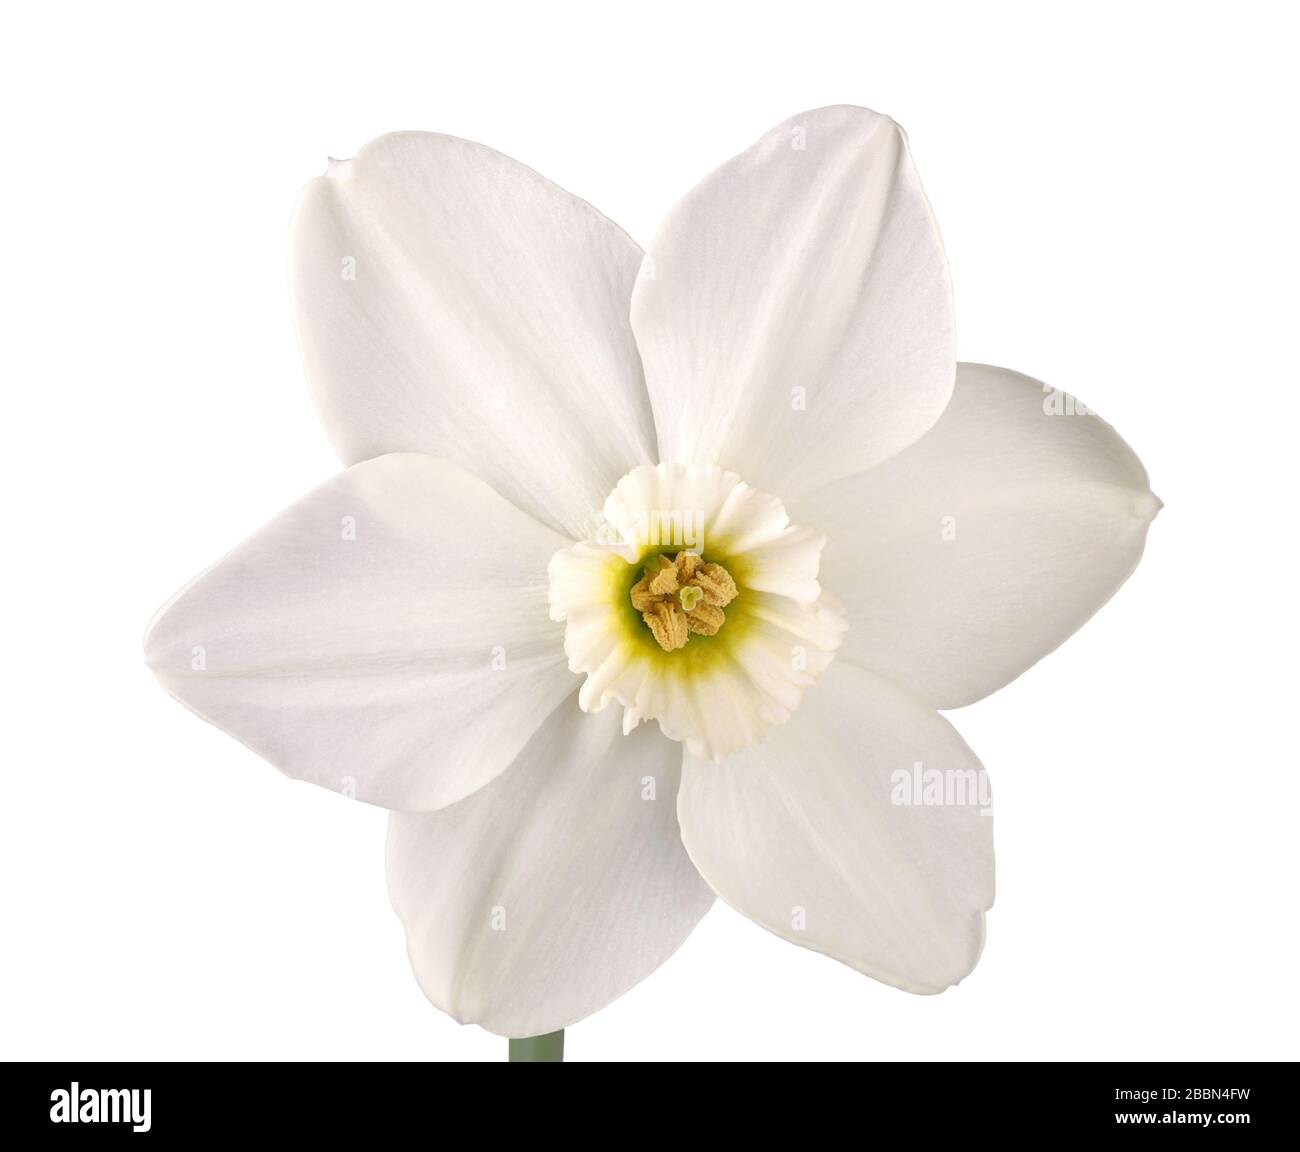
x=1118, y=190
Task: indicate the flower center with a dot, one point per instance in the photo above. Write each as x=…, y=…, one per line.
x=681, y=595
x=720, y=693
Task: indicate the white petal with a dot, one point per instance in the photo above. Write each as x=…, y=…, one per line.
x=557, y=887
x=487, y=322
x=719, y=693
x=973, y=554
x=386, y=636
x=795, y=315
x=816, y=834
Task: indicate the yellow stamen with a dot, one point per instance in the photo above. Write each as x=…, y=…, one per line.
x=682, y=595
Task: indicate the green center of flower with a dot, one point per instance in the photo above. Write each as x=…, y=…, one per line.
x=681, y=595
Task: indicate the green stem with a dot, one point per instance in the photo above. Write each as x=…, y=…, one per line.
x=548, y=1049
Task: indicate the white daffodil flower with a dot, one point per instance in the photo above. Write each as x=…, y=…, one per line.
x=649, y=572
